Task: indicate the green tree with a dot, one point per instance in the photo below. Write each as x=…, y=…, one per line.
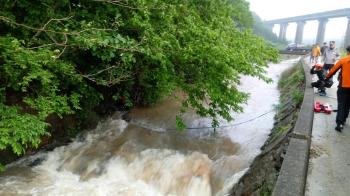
x=195, y=45
x=65, y=57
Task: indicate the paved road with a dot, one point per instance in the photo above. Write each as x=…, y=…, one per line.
x=329, y=163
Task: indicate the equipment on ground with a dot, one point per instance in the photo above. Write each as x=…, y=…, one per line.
x=324, y=108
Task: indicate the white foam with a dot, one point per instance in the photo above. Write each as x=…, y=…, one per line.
x=72, y=170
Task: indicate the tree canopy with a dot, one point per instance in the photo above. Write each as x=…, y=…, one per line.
x=65, y=57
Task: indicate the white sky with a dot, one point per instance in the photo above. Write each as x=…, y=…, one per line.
x=276, y=9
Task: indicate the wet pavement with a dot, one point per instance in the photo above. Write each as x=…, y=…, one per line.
x=329, y=162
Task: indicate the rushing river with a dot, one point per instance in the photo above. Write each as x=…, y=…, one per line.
x=144, y=157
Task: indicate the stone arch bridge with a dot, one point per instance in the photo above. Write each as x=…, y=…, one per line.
x=321, y=17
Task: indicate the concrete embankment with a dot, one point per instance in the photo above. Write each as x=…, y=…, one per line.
x=292, y=178
x=281, y=167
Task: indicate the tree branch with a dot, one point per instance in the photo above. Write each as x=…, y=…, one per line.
x=112, y=80
x=48, y=22
x=103, y=70
x=119, y=3
x=42, y=29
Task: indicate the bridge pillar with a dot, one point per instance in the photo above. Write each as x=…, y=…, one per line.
x=283, y=31
x=321, y=30
x=299, y=33
x=347, y=34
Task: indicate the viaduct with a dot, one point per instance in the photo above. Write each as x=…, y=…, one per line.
x=322, y=18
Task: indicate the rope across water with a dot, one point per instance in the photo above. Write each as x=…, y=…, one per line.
x=226, y=126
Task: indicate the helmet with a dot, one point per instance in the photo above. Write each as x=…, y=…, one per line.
x=318, y=66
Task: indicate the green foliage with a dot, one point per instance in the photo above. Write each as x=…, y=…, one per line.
x=293, y=76
x=179, y=124
x=196, y=47
x=266, y=189
x=293, y=79
x=37, y=78
x=19, y=130
x=66, y=57
x=298, y=96
x=280, y=131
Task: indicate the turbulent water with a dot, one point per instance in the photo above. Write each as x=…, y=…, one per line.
x=146, y=157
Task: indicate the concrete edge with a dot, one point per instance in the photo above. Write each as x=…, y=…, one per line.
x=292, y=177
x=303, y=125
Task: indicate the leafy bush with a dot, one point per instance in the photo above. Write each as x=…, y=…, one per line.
x=65, y=57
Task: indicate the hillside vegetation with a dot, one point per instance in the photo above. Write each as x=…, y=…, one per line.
x=262, y=30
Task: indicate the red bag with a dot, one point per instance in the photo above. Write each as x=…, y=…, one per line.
x=325, y=108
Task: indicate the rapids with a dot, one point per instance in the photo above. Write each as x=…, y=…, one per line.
x=144, y=157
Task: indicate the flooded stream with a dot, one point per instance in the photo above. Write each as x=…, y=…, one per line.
x=144, y=157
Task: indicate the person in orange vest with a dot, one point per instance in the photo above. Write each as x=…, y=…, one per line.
x=315, y=53
x=343, y=93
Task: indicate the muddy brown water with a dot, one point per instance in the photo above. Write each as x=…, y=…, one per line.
x=144, y=157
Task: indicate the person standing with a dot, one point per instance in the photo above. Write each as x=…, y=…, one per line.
x=315, y=53
x=343, y=93
x=330, y=56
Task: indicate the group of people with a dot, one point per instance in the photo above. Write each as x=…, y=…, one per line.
x=331, y=65
x=329, y=56
x=317, y=51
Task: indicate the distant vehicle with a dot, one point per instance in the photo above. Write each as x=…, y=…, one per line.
x=298, y=47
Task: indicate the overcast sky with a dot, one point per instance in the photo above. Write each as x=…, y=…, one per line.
x=275, y=9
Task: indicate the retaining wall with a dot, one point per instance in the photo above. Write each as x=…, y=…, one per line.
x=292, y=177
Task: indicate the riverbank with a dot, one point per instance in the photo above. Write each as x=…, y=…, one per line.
x=262, y=175
x=63, y=130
